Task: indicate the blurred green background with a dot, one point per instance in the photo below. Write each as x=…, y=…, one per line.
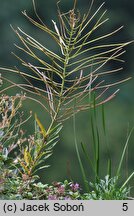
x=119, y=111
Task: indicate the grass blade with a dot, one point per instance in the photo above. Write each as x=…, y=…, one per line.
x=128, y=179
x=124, y=151
x=78, y=156
x=87, y=157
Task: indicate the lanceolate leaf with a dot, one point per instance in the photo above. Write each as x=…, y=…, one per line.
x=27, y=157
x=40, y=168
x=43, y=131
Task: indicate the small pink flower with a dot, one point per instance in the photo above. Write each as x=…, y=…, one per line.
x=67, y=198
x=75, y=186
x=61, y=189
x=52, y=197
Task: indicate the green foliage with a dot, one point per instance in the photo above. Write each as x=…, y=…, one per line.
x=124, y=152
x=16, y=188
x=24, y=155
x=67, y=80
x=107, y=189
x=39, y=149
x=10, y=119
x=17, y=171
x=110, y=188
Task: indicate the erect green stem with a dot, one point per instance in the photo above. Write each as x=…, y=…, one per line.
x=67, y=52
x=60, y=98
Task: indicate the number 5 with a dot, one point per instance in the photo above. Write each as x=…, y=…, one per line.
x=125, y=207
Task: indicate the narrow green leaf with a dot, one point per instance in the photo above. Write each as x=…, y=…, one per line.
x=43, y=167
x=123, y=153
x=79, y=158
x=55, y=131
x=98, y=154
x=103, y=119
x=27, y=157
x=87, y=156
x=52, y=142
x=109, y=168
x=43, y=131
x=128, y=179
x=39, y=168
